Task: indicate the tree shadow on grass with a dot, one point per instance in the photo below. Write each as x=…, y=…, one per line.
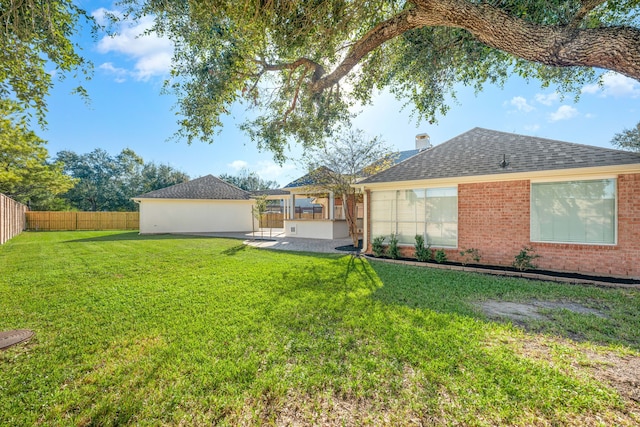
x=599, y=315
x=137, y=236
x=357, y=265
x=234, y=250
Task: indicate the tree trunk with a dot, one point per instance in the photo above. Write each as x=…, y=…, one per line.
x=350, y=212
x=612, y=48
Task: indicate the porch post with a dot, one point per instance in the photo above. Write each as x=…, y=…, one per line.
x=283, y=202
x=332, y=206
x=292, y=206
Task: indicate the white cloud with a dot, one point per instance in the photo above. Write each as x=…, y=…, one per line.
x=119, y=73
x=521, y=104
x=615, y=85
x=156, y=64
x=151, y=54
x=238, y=165
x=547, y=99
x=565, y=112
x=272, y=171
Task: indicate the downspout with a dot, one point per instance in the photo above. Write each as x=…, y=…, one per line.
x=332, y=205
x=365, y=219
x=137, y=201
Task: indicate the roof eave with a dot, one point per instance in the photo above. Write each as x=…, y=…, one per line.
x=583, y=173
x=182, y=199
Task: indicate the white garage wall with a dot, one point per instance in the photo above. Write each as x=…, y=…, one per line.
x=195, y=216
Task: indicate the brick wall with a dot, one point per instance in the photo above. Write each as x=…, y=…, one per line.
x=622, y=259
x=494, y=218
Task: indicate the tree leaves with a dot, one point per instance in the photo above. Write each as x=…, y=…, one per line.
x=34, y=35
x=249, y=181
x=628, y=139
x=26, y=175
x=107, y=183
x=299, y=67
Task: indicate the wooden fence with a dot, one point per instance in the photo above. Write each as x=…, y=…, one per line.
x=67, y=221
x=272, y=220
x=12, y=221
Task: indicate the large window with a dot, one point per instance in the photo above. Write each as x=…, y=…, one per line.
x=574, y=212
x=431, y=212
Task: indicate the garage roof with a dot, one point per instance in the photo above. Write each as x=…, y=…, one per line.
x=206, y=187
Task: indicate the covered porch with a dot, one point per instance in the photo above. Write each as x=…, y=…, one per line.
x=314, y=216
x=313, y=212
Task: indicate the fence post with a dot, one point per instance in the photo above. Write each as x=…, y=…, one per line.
x=12, y=218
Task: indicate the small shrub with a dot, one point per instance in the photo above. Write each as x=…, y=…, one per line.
x=471, y=254
x=440, y=256
x=524, y=260
x=376, y=246
x=393, y=251
x=423, y=253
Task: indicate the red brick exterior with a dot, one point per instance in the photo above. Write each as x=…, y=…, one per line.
x=494, y=218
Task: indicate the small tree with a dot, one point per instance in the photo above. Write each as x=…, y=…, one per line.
x=259, y=209
x=377, y=246
x=340, y=163
x=393, y=250
x=423, y=253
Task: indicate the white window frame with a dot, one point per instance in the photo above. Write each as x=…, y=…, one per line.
x=575, y=179
x=393, y=223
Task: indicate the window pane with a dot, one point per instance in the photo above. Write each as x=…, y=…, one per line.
x=442, y=216
x=383, y=229
x=411, y=204
x=442, y=233
x=383, y=213
x=574, y=211
x=383, y=206
x=407, y=231
x=432, y=213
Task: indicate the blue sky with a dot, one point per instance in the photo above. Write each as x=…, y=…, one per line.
x=127, y=110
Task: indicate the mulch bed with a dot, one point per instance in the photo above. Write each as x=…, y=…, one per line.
x=547, y=275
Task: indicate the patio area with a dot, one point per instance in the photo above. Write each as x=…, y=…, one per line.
x=276, y=239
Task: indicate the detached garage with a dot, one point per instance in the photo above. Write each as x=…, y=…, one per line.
x=203, y=205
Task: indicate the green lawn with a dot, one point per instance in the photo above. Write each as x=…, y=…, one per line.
x=195, y=331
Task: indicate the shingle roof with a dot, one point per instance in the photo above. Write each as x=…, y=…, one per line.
x=270, y=192
x=206, y=187
x=481, y=151
x=401, y=156
x=308, y=179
